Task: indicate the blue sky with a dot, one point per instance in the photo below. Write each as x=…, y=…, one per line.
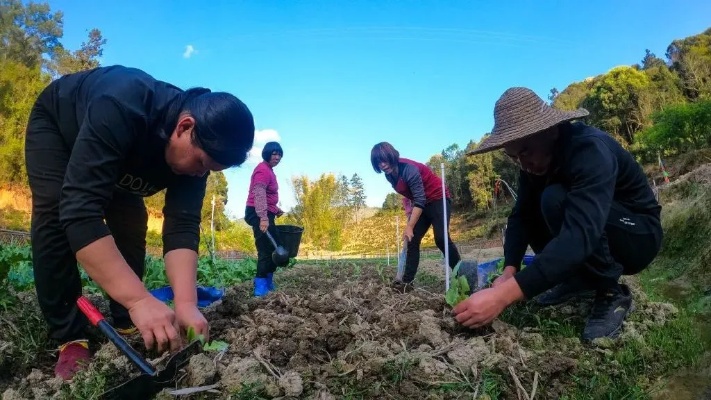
x=329, y=79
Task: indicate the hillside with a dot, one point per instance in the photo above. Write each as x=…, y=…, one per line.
x=16, y=207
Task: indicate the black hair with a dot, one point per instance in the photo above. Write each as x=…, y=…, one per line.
x=270, y=148
x=224, y=126
x=383, y=151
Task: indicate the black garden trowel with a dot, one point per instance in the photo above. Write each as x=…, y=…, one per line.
x=151, y=381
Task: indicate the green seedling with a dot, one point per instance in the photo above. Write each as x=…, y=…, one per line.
x=458, y=288
x=499, y=271
x=214, y=345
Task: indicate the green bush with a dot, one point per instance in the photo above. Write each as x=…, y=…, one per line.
x=677, y=129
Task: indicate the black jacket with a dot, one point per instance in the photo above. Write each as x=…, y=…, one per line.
x=111, y=119
x=595, y=170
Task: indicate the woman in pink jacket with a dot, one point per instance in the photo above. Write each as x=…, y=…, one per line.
x=260, y=213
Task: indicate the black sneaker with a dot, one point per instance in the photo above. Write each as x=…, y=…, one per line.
x=609, y=310
x=576, y=287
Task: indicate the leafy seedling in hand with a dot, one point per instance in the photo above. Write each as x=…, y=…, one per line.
x=458, y=287
x=500, y=271
x=214, y=345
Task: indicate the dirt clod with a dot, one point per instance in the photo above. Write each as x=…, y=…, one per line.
x=201, y=370
x=291, y=383
x=327, y=334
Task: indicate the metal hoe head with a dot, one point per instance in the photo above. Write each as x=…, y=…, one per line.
x=147, y=386
x=402, y=257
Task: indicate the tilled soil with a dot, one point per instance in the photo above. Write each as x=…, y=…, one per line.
x=342, y=332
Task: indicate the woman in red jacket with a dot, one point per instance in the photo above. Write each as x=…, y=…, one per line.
x=418, y=183
x=260, y=213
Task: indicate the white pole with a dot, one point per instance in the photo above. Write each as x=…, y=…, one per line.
x=446, y=234
x=397, y=233
x=212, y=228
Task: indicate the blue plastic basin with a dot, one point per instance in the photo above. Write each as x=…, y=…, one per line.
x=205, y=295
x=487, y=268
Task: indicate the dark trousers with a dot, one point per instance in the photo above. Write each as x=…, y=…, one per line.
x=57, y=277
x=265, y=248
x=432, y=215
x=628, y=245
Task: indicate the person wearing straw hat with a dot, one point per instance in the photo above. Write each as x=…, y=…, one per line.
x=585, y=208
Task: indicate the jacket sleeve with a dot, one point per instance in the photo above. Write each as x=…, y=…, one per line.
x=259, y=191
x=516, y=235
x=182, y=213
x=411, y=175
x=593, y=170
x=105, y=136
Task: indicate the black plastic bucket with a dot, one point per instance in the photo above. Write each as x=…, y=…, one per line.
x=290, y=236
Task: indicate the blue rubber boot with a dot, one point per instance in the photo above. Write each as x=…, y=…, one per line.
x=270, y=280
x=261, y=287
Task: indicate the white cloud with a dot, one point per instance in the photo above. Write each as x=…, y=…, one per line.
x=266, y=135
x=261, y=137
x=189, y=51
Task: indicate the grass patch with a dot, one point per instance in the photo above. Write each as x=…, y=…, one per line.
x=23, y=337
x=543, y=320
x=88, y=384
x=623, y=372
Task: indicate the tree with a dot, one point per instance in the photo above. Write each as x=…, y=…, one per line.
x=344, y=191
x=29, y=32
x=357, y=197
x=691, y=59
x=573, y=95
x=505, y=168
x=393, y=201
x=677, y=129
x=615, y=103
x=342, y=201
x=29, y=39
x=651, y=61
x=481, y=177
x=217, y=187
x=317, y=211
x=552, y=95
x=87, y=57
x=19, y=87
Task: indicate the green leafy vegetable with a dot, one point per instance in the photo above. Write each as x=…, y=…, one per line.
x=458, y=287
x=214, y=345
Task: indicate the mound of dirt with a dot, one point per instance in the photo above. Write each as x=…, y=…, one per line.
x=342, y=332
x=700, y=175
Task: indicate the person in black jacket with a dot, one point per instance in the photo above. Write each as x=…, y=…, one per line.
x=585, y=208
x=97, y=142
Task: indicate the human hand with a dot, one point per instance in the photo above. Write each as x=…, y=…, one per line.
x=408, y=234
x=157, y=324
x=280, y=213
x=480, y=309
x=508, y=273
x=263, y=225
x=188, y=315
x=484, y=306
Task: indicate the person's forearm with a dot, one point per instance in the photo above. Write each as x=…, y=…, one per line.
x=106, y=266
x=260, y=201
x=414, y=217
x=181, y=269
x=510, y=292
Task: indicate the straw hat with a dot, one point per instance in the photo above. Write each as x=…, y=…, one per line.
x=519, y=113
